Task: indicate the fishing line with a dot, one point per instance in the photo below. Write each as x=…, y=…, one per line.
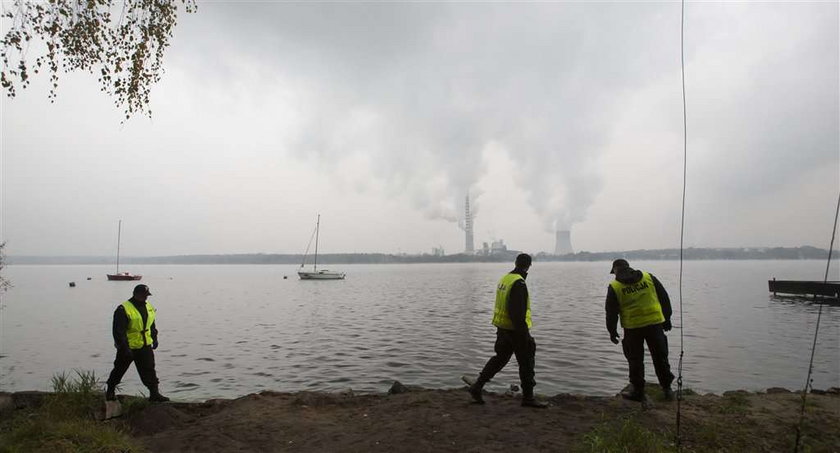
x=682, y=222
x=816, y=333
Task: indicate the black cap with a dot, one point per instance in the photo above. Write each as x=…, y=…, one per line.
x=523, y=260
x=142, y=289
x=621, y=262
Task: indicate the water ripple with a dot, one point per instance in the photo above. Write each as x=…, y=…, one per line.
x=420, y=324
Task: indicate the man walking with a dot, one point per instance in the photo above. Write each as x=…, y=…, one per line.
x=135, y=337
x=642, y=303
x=512, y=318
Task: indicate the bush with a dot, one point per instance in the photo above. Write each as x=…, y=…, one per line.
x=66, y=421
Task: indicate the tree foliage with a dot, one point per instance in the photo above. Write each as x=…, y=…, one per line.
x=121, y=42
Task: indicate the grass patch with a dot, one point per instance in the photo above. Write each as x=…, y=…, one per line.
x=33, y=432
x=65, y=421
x=655, y=392
x=732, y=432
x=686, y=391
x=132, y=404
x=735, y=403
x=624, y=435
x=712, y=435
x=76, y=396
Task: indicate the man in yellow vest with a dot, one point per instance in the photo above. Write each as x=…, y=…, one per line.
x=135, y=337
x=512, y=318
x=642, y=303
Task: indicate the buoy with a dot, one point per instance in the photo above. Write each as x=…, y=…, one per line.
x=72, y=284
x=285, y=277
x=89, y=278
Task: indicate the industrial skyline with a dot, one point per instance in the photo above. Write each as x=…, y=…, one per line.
x=562, y=246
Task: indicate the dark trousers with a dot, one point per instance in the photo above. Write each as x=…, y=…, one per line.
x=144, y=361
x=508, y=343
x=634, y=349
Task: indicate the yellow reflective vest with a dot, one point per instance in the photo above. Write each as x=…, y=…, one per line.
x=638, y=303
x=138, y=336
x=501, y=317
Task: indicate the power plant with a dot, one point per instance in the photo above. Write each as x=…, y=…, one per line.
x=563, y=244
x=493, y=248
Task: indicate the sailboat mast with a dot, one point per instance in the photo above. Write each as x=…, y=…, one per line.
x=317, y=230
x=119, y=229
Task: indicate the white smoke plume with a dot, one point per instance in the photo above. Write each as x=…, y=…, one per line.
x=423, y=88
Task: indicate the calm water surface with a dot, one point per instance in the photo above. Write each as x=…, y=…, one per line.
x=226, y=331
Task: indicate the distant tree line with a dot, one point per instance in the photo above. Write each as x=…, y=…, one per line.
x=769, y=253
x=691, y=253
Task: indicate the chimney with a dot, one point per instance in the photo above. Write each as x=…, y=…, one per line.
x=469, y=247
x=563, y=245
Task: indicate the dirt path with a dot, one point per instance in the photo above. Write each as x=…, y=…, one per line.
x=444, y=420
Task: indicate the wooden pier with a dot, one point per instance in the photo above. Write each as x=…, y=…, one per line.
x=805, y=288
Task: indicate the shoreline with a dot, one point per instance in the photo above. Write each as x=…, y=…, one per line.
x=672, y=254
x=29, y=398
x=418, y=419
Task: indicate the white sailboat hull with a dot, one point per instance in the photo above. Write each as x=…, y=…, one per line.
x=321, y=275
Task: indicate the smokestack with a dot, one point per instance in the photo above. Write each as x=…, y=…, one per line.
x=468, y=227
x=563, y=245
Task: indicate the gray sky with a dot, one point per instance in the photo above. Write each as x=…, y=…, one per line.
x=381, y=116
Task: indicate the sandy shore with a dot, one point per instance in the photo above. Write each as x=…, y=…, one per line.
x=444, y=420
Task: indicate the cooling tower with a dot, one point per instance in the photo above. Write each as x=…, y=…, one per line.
x=563, y=245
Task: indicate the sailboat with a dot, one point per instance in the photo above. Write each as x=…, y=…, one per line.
x=121, y=276
x=315, y=273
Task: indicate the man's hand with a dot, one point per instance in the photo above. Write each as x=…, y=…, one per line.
x=155, y=345
x=666, y=326
x=614, y=338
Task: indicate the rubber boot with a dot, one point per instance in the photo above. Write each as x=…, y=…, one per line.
x=668, y=393
x=637, y=393
x=110, y=393
x=476, y=392
x=528, y=400
x=155, y=396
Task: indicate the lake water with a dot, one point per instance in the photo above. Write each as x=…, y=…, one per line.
x=226, y=331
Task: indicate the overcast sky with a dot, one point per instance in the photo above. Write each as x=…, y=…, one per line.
x=383, y=116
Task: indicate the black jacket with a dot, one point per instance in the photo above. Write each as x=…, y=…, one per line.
x=517, y=303
x=627, y=276
x=121, y=324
